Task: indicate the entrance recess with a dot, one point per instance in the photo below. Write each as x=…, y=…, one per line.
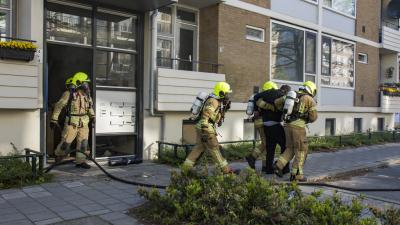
x=103, y=43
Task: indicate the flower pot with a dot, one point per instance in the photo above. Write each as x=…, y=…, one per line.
x=17, y=54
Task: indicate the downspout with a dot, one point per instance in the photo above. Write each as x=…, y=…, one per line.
x=153, y=63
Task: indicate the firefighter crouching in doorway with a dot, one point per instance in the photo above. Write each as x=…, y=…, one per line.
x=304, y=112
x=211, y=114
x=271, y=125
x=79, y=113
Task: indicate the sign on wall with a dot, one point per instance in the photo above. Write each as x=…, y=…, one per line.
x=115, y=112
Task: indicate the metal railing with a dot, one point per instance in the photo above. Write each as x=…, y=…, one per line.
x=337, y=140
x=34, y=158
x=188, y=64
x=391, y=24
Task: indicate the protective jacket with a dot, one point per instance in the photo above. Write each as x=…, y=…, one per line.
x=210, y=115
x=270, y=113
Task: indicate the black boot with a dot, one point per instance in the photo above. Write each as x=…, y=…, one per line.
x=277, y=171
x=251, y=161
x=267, y=170
x=83, y=166
x=286, y=169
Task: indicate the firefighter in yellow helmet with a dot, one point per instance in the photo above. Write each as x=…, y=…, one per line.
x=79, y=113
x=258, y=125
x=211, y=115
x=304, y=112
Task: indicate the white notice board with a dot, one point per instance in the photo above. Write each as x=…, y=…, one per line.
x=115, y=112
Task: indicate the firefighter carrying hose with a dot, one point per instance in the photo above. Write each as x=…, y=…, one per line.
x=80, y=112
x=212, y=110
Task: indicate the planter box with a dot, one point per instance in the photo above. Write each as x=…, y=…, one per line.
x=17, y=54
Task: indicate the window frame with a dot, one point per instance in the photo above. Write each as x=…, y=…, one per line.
x=316, y=2
x=363, y=54
x=354, y=63
x=10, y=14
x=253, y=38
x=331, y=128
x=305, y=30
x=342, y=13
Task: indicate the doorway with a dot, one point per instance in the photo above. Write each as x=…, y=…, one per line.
x=61, y=67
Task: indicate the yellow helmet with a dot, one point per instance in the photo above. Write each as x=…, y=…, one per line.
x=221, y=89
x=70, y=81
x=80, y=77
x=269, y=85
x=310, y=88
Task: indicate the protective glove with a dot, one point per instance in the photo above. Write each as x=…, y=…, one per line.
x=54, y=124
x=93, y=122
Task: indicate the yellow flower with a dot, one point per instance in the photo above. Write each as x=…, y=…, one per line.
x=18, y=45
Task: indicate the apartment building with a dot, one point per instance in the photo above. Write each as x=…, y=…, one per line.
x=149, y=59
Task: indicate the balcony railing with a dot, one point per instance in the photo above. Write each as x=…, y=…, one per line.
x=394, y=24
x=190, y=65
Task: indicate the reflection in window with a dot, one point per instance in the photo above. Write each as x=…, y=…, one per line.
x=344, y=6
x=116, y=31
x=164, y=20
x=69, y=24
x=5, y=24
x=164, y=51
x=186, y=16
x=115, y=69
x=287, y=53
x=115, y=145
x=311, y=41
x=337, y=63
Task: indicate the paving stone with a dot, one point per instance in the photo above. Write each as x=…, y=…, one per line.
x=49, y=221
x=108, y=201
x=72, y=214
x=118, y=207
x=14, y=195
x=40, y=194
x=33, y=189
x=113, y=216
x=11, y=217
x=9, y=210
x=64, y=208
x=18, y=222
x=99, y=212
x=91, y=207
x=2, y=201
x=73, y=184
x=41, y=216
x=92, y=220
x=125, y=221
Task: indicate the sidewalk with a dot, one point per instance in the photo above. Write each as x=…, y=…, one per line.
x=83, y=194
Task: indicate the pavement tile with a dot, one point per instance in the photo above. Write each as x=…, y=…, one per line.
x=11, y=217
x=91, y=207
x=64, y=208
x=40, y=194
x=118, y=207
x=2, y=200
x=80, y=201
x=70, y=215
x=14, y=195
x=49, y=221
x=99, y=212
x=108, y=201
x=114, y=216
x=9, y=210
x=125, y=221
x=18, y=222
x=41, y=216
x=32, y=189
x=73, y=184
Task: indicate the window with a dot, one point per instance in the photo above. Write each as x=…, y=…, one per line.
x=363, y=58
x=293, y=53
x=116, y=30
x=381, y=124
x=5, y=18
x=177, y=38
x=347, y=7
x=357, y=125
x=337, y=66
x=66, y=23
x=255, y=34
x=330, y=125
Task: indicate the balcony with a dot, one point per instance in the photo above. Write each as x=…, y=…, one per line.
x=390, y=100
x=390, y=35
x=178, y=85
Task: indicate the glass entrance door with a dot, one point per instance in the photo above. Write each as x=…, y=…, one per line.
x=186, y=47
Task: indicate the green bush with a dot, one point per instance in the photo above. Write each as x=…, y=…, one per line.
x=246, y=199
x=17, y=173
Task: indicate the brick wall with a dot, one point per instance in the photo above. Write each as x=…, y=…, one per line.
x=262, y=3
x=208, y=37
x=246, y=62
x=367, y=77
x=368, y=16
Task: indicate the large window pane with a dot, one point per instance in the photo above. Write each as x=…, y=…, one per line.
x=4, y=23
x=115, y=69
x=311, y=42
x=342, y=74
x=116, y=31
x=5, y=3
x=69, y=24
x=164, y=21
x=343, y=6
x=164, y=51
x=287, y=53
x=186, y=16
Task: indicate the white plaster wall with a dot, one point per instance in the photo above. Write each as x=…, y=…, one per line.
x=296, y=8
x=22, y=127
x=345, y=122
x=336, y=96
x=387, y=61
x=338, y=22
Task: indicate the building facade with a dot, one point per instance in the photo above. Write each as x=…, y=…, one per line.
x=149, y=59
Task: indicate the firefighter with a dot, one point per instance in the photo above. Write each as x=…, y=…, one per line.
x=304, y=112
x=258, y=125
x=211, y=115
x=80, y=112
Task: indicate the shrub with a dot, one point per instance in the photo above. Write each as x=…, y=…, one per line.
x=246, y=199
